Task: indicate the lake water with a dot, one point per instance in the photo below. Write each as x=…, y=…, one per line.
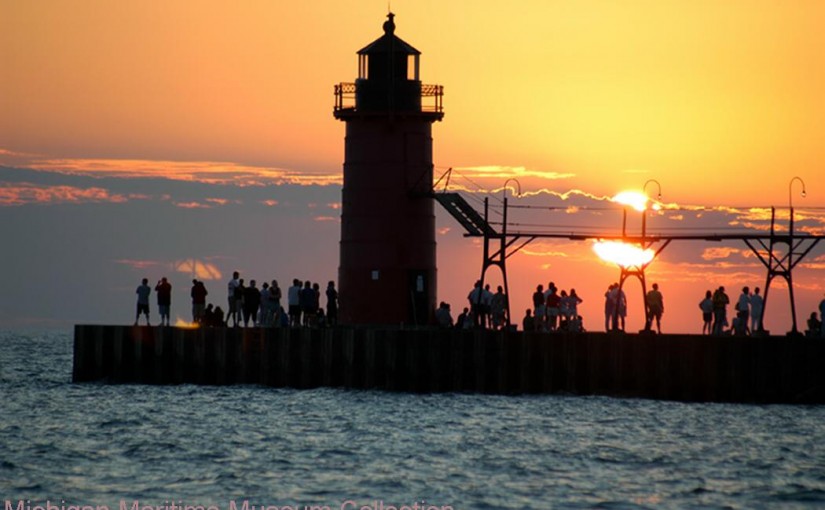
x=130, y=446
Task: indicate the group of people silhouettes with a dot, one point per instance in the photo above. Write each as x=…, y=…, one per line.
x=163, y=289
x=247, y=305
x=486, y=310
x=553, y=310
x=748, y=318
x=615, y=308
x=262, y=307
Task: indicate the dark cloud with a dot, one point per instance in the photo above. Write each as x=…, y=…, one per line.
x=79, y=261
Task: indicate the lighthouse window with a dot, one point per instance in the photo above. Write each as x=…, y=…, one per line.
x=363, y=67
x=412, y=67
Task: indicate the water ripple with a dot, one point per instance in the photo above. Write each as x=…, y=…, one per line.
x=99, y=444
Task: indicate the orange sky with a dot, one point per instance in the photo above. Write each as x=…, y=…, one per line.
x=687, y=92
x=721, y=102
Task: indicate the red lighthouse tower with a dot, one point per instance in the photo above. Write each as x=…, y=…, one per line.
x=387, y=272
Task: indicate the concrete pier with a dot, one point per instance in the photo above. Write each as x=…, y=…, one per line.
x=670, y=367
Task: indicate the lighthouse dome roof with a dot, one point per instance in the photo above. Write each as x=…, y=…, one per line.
x=389, y=42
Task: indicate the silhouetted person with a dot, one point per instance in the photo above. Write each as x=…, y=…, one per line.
x=316, y=301
x=564, y=310
x=442, y=316
x=308, y=300
x=332, y=304
x=164, y=292
x=464, y=319
x=251, y=303
x=275, y=302
x=528, y=323
x=240, y=294
x=198, y=294
x=283, y=320
x=475, y=298
x=720, y=310
x=143, y=292
x=218, y=316
x=553, y=308
x=573, y=302
x=486, y=307
x=498, y=307
x=232, y=298
x=621, y=307
x=814, y=326
x=577, y=324
x=743, y=308
x=264, y=312
x=757, y=305
x=610, y=311
x=706, y=305
x=294, y=303
x=655, y=308
x=208, y=317
x=538, y=306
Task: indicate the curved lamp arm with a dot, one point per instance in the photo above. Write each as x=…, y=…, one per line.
x=790, y=188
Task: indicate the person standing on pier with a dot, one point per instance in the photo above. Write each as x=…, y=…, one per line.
x=231, y=288
x=498, y=306
x=573, y=304
x=265, y=314
x=308, y=301
x=610, y=308
x=538, y=308
x=720, y=310
x=552, y=307
x=757, y=304
x=251, y=303
x=275, y=302
x=164, y=292
x=621, y=305
x=486, y=307
x=655, y=308
x=706, y=305
x=475, y=297
x=743, y=307
x=293, y=300
x=332, y=304
x=143, y=292
x=198, y=294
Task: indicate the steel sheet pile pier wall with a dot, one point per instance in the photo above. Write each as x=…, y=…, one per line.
x=671, y=367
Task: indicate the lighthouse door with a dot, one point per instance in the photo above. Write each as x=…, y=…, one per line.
x=418, y=287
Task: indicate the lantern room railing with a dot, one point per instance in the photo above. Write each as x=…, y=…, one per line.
x=431, y=97
x=344, y=96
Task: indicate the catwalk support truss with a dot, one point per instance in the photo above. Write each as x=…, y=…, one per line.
x=779, y=252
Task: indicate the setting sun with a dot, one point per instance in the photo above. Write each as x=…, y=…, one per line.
x=635, y=199
x=623, y=254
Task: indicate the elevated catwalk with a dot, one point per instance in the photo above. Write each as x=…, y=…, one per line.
x=669, y=367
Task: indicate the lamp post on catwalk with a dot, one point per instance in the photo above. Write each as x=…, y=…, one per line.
x=387, y=271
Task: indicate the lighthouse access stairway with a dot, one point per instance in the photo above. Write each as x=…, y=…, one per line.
x=463, y=212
